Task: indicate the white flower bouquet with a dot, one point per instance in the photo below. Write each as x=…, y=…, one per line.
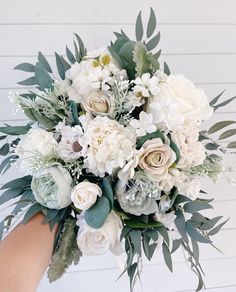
x=113, y=153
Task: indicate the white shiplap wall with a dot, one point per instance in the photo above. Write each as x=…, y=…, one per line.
x=198, y=39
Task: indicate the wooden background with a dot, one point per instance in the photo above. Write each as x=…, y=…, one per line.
x=199, y=40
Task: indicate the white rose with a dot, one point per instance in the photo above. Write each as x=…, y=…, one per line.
x=179, y=102
x=156, y=158
x=190, y=188
x=98, y=102
x=34, y=146
x=52, y=187
x=84, y=195
x=110, y=145
x=191, y=150
x=98, y=241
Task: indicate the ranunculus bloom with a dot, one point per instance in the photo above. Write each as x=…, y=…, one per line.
x=179, y=102
x=99, y=102
x=52, y=187
x=84, y=195
x=156, y=158
x=98, y=241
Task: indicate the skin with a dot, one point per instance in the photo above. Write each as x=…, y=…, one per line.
x=25, y=254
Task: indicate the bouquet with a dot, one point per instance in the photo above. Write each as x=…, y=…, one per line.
x=113, y=153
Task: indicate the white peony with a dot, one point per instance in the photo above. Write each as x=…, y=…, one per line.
x=35, y=146
x=191, y=150
x=110, y=145
x=84, y=195
x=144, y=125
x=179, y=102
x=99, y=241
x=52, y=187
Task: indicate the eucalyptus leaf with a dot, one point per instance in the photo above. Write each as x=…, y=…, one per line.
x=32, y=211
x=42, y=77
x=167, y=256
x=82, y=49
x=26, y=67
x=3, y=137
x=60, y=66
x=163, y=231
x=195, y=206
x=9, y=195
x=195, y=250
x=97, y=214
x=70, y=56
x=224, y=103
x=138, y=224
x=136, y=238
x=211, y=146
x=107, y=190
x=231, y=145
x=227, y=134
x=22, y=182
x=4, y=150
x=43, y=61
x=166, y=69
x=210, y=223
x=216, y=229
x=195, y=234
x=157, y=55
x=7, y=162
x=139, y=28
x=15, y=130
x=151, y=45
x=214, y=100
x=151, y=24
x=220, y=125
x=28, y=82
x=181, y=225
x=74, y=111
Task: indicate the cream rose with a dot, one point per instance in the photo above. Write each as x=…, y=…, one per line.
x=84, y=195
x=156, y=158
x=99, y=102
x=179, y=102
x=98, y=241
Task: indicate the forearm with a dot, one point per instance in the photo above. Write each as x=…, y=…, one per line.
x=24, y=255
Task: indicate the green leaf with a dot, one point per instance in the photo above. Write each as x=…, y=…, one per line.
x=18, y=183
x=142, y=60
x=97, y=214
x=107, y=190
x=26, y=67
x=116, y=57
x=77, y=54
x=136, y=238
x=42, y=77
x=176, y=244
x=152, y=234
x=138, y=224
x=66, y=253
x=60, y=66
x=9, y=195
x=224, y=103
x=195, y=251
x=167, y=256
x=195, y=206
x=181, y=225
x=151, y=24
x=210, y=223
x=15, y=130
x=157, y=55
x=214, y=100
x=82, y=49
x=3, y=137
x=43, y=61
x=139, y=28
x=227, y=134
x=166, y=69
x=181, y=199
x=28, y=81
x=7, y=162
x=195, y=234
x=211, y=146
x=74, y=111
x=33, y=210
x=217, y=228
x=174, y=147
x=163, y=231
x=173, y=195
x=220, y=125
x=153, y=42
x=4, y=150
x=143, y=139
x=231, y=145
x=70, y=56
